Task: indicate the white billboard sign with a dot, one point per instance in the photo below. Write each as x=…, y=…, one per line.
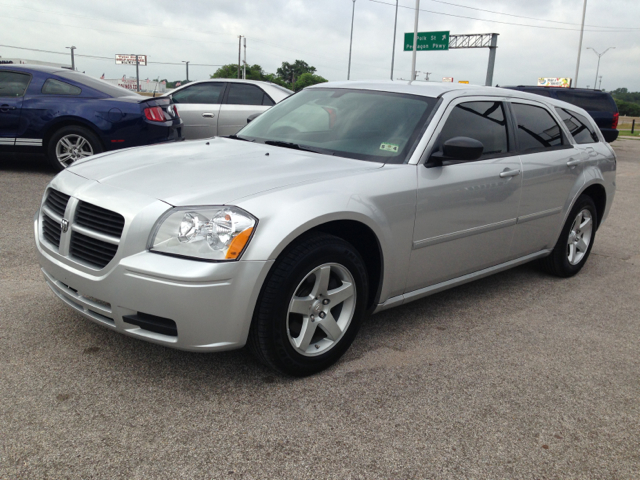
x=447, y=79
x=554, y=82
x=123, y=59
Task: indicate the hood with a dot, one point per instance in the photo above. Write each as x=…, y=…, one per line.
x=217, y=171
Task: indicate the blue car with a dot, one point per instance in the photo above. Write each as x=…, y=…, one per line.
x=68, y=115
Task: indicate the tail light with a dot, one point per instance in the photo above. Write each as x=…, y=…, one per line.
x=155, y=114
x=175, y=110
x=615, y=120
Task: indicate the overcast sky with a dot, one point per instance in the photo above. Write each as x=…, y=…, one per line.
x=317, y=31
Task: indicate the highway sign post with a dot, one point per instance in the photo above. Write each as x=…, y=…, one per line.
x=427, y=41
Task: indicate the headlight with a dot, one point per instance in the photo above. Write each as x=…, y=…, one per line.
x=210, y=233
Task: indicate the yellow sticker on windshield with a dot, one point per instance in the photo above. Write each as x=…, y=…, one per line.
x=389, y=147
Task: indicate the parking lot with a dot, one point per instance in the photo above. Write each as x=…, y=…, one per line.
x=518, y=375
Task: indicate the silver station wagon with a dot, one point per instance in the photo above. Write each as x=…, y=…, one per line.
x=343, y=200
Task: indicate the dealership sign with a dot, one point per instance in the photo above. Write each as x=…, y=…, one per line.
x=131, y=60
x=554, y=82
x=447, y=79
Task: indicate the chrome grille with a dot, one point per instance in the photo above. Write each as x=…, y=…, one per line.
x=99, y=219
x=91, y=250
x=51, y=230
x=57, y=202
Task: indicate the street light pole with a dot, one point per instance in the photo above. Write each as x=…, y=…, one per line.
x=186, y=62
x=415, y=41
x=244, y=66
x=598, y=68
x=73, y=62
x=239, y=53
x=393, y=52
x=584, y=12
x=353, y=14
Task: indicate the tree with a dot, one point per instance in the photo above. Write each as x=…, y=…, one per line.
x=254, y=72
x=291, y=72
x=308, y=79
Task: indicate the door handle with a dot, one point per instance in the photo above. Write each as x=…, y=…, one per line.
x=208, y=115
x=6, y=108
x=573, y=162
x=509, y=173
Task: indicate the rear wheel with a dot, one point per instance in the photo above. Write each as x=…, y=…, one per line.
x=70, y=144
x=575, y=242
x=311, y=306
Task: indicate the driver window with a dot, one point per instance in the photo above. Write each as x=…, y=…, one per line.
x=200, y=93
x=482, y=121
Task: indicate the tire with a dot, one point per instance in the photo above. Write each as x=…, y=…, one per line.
x=301, y=327
x=70, y=144
x=576, y=240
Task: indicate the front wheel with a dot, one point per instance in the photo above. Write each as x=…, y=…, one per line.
x=311, y=306
x=70, y=144
x=575, y=242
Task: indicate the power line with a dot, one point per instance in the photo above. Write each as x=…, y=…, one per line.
x=98, y=57
x=529, y=18
x=494, y=21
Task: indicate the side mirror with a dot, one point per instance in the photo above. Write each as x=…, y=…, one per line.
x=463, y=149
x=609, y=134
x=251, y=117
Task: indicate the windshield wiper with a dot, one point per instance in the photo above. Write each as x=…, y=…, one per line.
x=236, y=137
x=294, y=146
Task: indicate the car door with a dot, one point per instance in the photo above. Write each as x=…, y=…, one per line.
x=466, y=211
x=12, y=88
x=199, y=106
x=241, y=100
x=551, y=166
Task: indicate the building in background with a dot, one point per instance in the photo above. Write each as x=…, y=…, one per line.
x=146, y=85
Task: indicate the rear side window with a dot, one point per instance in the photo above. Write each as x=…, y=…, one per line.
x=13, y=84
x=204, y=93
x=590, y=101
x=244, y=94
x=482, y=121
x=56, y=87
x=579, y=127
x=537, y=130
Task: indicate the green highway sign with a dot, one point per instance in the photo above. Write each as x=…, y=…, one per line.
x=427, y=41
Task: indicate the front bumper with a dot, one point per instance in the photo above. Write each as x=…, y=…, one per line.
x=211, y=303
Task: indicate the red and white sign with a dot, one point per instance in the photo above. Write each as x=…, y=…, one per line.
x=122, y=59
x=447, y=79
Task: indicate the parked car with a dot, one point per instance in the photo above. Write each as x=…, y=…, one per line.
x=68, y=115
x=600, y=105
x=222, y=106
x=344, y=199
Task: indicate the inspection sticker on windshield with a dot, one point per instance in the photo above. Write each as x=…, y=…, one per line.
x=389, y=147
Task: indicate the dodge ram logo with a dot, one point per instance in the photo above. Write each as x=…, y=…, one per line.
x=64, y=225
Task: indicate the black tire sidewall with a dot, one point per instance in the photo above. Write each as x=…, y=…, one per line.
x=333, y=250
x=93, y=140
x=563, y=266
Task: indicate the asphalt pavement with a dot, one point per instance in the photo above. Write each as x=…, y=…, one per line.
x=518, y=375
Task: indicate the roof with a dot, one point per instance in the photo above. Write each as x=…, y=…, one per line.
x=31, y=67
x=427, y=89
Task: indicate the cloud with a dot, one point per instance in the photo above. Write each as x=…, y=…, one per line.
x=205, y=32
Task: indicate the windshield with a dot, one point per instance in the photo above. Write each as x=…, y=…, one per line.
x=366, y=125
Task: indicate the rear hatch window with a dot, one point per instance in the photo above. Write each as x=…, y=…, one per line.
x=590, y=101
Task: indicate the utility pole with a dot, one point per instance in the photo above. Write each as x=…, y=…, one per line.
x=598, y=68
x=137, y=75
x=426, y=76
x=239, y=53
x=393, y=51
x=584, y=12
x=73, y=62
x=244, y=67
x=187, y=64
x=415, y=41
x=353, y=14
x=600, y=85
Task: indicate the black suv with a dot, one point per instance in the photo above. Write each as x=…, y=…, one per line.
x=598, y=104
